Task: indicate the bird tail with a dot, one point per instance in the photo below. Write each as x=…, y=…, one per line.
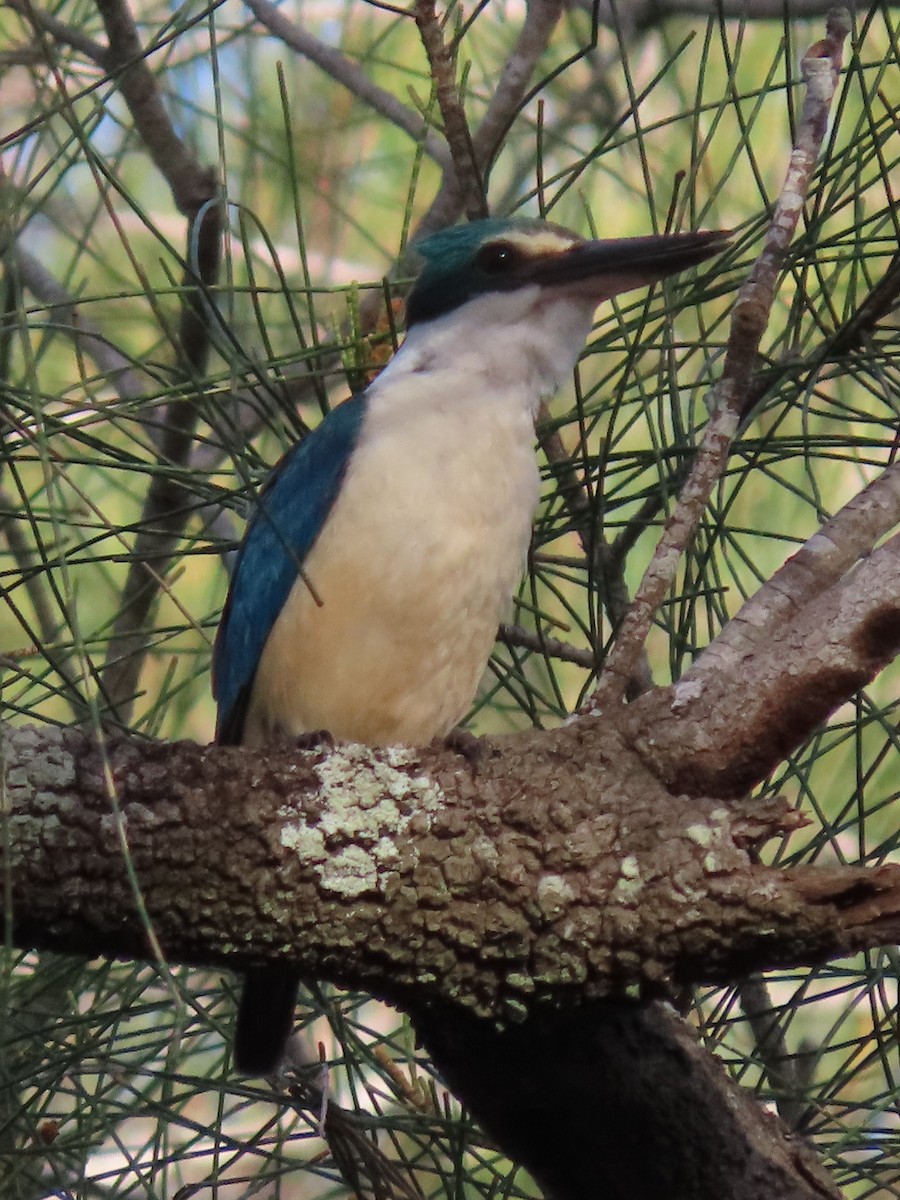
x=264, y=1019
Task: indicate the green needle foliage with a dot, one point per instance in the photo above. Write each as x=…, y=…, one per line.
x=114, y=1077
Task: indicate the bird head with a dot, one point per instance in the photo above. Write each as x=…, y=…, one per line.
x=533, y=258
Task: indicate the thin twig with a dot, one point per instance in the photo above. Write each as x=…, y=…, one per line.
x=551, y=647
x=541, y=18
x=820, y=67
x=118, y=370
x=467, y=171
x=168, y=501
x=352, y=77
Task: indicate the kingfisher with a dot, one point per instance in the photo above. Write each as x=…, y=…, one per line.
x=386, y=545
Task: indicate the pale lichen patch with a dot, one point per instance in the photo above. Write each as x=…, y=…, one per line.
x=350, y=872
x=385, y=851
x=701, y=834
x=554, y=895
x=685, y=693
x=370, y=799
x=629, y=883
x=716, y=831
x=307, y=840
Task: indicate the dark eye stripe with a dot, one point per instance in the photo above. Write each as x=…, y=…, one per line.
x=497, y=256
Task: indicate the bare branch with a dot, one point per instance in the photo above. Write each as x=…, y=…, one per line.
x=467, y=156
x=168, y=501
x=191, y=184
x=352, y=77
x=722, y=731
x=530, y=639
x=541, y=18
x=170, y=497
x=60, y=31
x=820, y=66
x=467, y=177
x=118, y=370
x=771, y=1046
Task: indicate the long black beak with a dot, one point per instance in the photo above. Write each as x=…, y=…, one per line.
x=600, y=269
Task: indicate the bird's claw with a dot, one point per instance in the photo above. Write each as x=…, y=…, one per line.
x=473, y=749
x=314, y=739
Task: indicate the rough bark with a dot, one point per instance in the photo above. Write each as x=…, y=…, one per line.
x=776, y=681
x=631, y=1107
x=560, y=872
x=505, y=907
x=530, y=900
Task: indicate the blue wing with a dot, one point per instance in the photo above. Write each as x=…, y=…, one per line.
x=290, y=513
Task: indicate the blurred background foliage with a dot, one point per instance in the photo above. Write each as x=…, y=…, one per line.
x=114, y=1078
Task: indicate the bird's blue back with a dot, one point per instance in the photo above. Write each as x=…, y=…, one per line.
x=291, y=511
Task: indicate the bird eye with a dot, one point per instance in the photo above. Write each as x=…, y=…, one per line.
x=497, y=256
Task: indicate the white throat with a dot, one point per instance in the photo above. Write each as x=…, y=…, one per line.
x=518, y=344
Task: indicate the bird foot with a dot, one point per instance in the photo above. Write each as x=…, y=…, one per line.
x=314, y=739
x=473, y=749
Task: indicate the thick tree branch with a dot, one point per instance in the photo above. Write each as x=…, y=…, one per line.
x=722, y=731
x=564, y=869
x=618, y=1100
x=561, y=874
